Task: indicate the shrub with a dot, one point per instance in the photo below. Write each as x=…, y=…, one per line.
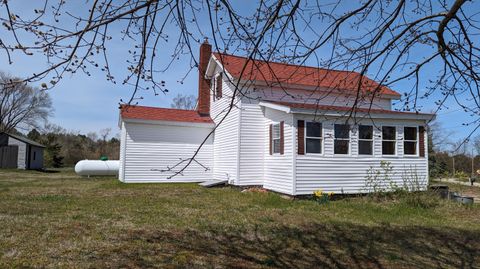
x=462, y=176
x=380, y=180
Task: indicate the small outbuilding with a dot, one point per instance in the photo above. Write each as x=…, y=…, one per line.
x=20, y=152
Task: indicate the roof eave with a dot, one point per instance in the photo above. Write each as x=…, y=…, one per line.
x=375, y=115
x=392, y=96
x=283, y=108
x=331, y=113
x=211, y=68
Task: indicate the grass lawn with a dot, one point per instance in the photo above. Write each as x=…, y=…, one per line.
x=60, y=220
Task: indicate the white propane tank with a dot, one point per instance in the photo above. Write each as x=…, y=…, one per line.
x=97, y=168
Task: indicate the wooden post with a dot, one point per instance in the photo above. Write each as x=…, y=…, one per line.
x=473, y=158
x=453, y=159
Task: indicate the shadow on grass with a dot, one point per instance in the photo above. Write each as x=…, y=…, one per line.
x=47, y=171
x=317, y=245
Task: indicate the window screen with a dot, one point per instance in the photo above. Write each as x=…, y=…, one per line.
x=276, y=138
x=365, y=140
x=313, y=138
x=342, y=138
x=410, y=140
x=388, y=140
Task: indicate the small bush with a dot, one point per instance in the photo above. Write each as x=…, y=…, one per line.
x=462, y=176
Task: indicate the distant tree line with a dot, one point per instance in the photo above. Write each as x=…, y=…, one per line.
x=66, y=148
x=448, y=158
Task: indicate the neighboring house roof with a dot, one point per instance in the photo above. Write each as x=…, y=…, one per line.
x=162, y=114
x=313, y=108
x=25, y=140
x=273, y=72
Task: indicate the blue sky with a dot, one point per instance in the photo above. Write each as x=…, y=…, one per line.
x=86, y=104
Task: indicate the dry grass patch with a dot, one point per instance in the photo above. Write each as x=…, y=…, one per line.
x=57, y=220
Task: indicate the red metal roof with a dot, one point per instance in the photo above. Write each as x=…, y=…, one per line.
x=272, y=72
x=162, y=114
x=343, y=108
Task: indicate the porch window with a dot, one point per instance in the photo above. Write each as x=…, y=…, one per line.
x=313, y=139
x=410, y=140
x=389, y=141
x=342, y=138
x=276, y=138
x=365, y=139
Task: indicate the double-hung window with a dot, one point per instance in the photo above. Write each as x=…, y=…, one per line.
x=342, y=139
x=213, y=87
x=410, y=140
x=389, y=140
x=313, y=139
x=365, y=140
x=218, y=86
x=276, y=138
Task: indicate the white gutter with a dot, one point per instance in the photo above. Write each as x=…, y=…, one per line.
x=406, y=116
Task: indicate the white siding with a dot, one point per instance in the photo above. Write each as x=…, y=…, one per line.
x=347, y=174
x=153, y=151
x=279, y=168
x=123, y=142
x=226, y=146
x=252, y=144
x=314, y=97
x=22, y=152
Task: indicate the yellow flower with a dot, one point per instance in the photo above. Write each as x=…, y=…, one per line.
x=318, y=193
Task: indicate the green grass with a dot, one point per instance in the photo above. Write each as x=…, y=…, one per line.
x=60, y=220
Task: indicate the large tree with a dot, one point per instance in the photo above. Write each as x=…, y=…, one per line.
x=21, y=106
x=182, y=101
x=426, y=47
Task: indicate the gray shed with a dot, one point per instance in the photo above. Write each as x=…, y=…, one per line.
x=20, y=152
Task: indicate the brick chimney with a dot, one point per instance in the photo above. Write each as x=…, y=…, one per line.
x=203, y=105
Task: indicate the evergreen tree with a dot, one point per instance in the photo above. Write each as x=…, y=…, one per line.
x=52, y=151
x=34, y=135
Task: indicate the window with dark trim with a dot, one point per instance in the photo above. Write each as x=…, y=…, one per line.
x=276, y=138
x=34, y=155
x=410, y=140
x=342, y=139
x=213, y=87
x=313, y=137
x=365, y=139
x=389, y=140
x=218, y=86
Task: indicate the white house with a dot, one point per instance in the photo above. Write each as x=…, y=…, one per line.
x=290, y=129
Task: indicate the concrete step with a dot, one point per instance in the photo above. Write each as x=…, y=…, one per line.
x=212, y=183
